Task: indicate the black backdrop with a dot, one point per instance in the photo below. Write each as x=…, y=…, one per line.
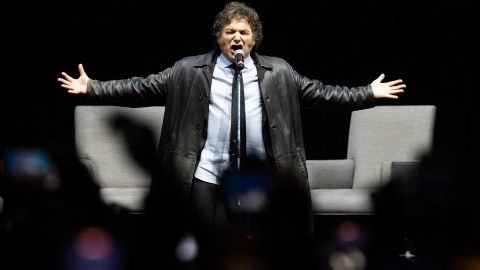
x=432, y=45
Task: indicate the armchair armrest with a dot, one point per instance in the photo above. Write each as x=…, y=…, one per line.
x=330, y=174
x=397, y=169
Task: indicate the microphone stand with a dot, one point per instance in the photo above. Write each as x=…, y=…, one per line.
x=246, y=216
x=239, y=89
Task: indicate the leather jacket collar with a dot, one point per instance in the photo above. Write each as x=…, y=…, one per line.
x=211, y=58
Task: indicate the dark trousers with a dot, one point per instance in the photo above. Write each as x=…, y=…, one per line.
x=206, y=207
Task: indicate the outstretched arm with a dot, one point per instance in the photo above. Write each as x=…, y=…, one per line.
x=387, y=89
x=75, y=86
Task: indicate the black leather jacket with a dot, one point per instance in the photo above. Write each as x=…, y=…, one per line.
x=185, y=90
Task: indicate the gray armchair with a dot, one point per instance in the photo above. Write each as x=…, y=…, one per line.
x=380, y=139
x=102, y=148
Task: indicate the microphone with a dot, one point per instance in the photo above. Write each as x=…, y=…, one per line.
x=239, y=55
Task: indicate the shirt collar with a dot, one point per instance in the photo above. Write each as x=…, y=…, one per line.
x=223, y=62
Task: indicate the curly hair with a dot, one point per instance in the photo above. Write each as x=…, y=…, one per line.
x=238, y=10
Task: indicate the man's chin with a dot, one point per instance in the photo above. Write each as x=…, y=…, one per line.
x=230, y=56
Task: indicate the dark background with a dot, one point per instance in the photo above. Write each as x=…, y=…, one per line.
x=432, y=45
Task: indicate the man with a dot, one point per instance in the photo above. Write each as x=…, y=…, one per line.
x=197, y=92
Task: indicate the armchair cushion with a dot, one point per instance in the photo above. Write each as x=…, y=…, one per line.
x=342, y=201
x=132, y=198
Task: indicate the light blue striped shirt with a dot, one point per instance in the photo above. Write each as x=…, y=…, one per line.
x=214, y=158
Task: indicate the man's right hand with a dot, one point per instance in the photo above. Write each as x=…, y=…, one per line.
x=75, y=86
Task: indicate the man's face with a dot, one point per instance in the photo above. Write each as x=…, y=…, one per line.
x=236, y=35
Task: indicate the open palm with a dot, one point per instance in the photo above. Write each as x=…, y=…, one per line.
x=75, y=86
x=387, y=89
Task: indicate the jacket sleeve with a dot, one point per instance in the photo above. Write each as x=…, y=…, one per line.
x=133, y=92
x=333, y=98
